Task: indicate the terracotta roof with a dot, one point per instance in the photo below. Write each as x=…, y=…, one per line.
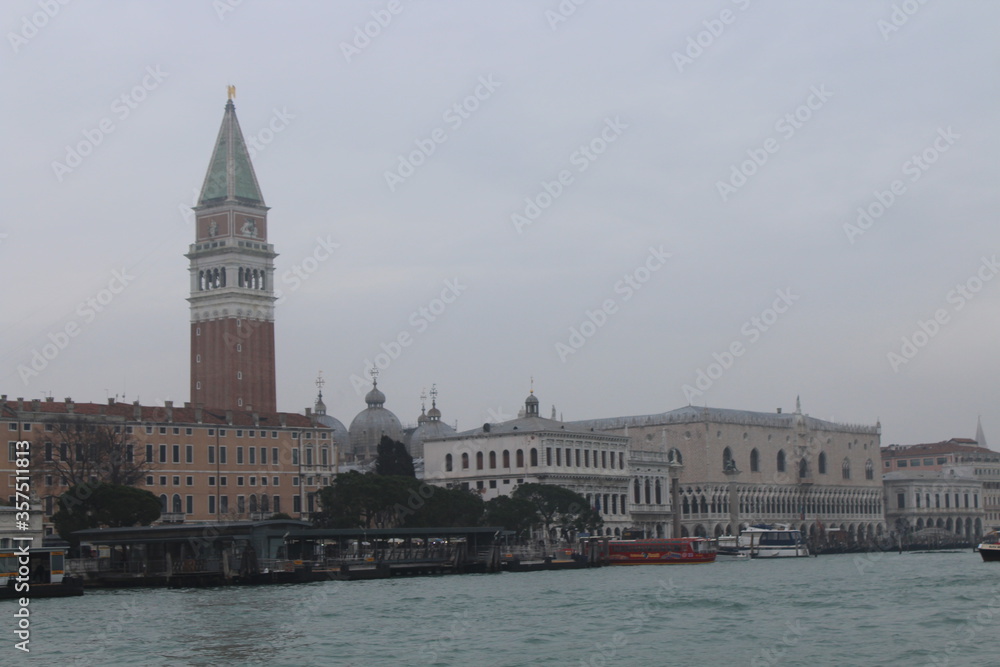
x=159, y=414
x=955, y=445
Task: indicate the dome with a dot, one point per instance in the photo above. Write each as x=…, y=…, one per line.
x=375, y=398
x=428, y=430
x=371, y=424
x=339, y=434
x=434, y=414
x=531, y=405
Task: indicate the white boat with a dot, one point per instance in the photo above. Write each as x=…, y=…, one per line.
x=764, y=542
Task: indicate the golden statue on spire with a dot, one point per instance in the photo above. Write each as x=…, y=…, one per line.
x=231, y=91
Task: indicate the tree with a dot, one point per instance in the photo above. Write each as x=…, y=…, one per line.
x=363, y=500
x=442, y=508
x=515, y=514
x=392, y=458
x=103, y=506
x=558, y=507
x=392, y=501
x=79, y=451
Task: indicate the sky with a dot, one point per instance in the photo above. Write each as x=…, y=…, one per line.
x=627, y=206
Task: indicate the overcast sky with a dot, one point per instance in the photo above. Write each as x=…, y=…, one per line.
x=697, y=168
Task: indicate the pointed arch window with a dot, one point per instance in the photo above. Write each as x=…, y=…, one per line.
x=754, y=460
x=845, y=469
x=869, y=469
x=781, y=461
x=448, y=463
x=821, y=464
x=727, y=458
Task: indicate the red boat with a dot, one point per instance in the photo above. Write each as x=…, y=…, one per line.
x=672, y=551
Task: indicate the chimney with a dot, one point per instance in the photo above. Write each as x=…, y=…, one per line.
x=69, y=405
x=20, y=404
x=779, y=411
x=197, y=412
x=229, y=417
x=169, y=407
x=111, y=401
x=50, y=399
x=136, y=411
x=36, y=405
x=256, y=418
x=308, y=412
x=282, y=419
x=187, y=405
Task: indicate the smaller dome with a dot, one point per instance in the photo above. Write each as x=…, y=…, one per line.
x=375, y=398
x=532, y=400
x=434, y=414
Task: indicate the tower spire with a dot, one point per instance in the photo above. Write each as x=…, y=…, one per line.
x=230, y=175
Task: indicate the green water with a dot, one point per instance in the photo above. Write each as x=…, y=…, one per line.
x=879, y=609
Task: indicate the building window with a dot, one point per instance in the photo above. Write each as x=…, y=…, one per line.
x=548, y=456
x=211, y=504
x=211, y=453
x=263, y=456
x=479, y=460
x=727, y=459
x=493, y=460
x=534, y=457
x=845, y=469
x=149, y=480
x=520, y=458
x=163, y=453
x=176, y=480
x=253, y=456
x=506, y=458
x=222, y=454
x=447, y=463
x=780, y=464
x=900, y=501
x=754, y=460
x=869, y=469
x=189, y=481
x=821, y=464
x=189, y=453
x=239, y=454
x=465, y=460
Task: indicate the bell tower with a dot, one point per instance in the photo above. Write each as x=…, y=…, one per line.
x=232, y=282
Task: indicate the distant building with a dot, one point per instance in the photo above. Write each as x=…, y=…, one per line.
x=205, y=464
x=929, y=505
x=495, y=458
x=742, y=468
x=954, y=454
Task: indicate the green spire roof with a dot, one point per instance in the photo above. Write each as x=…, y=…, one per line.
x=230, y=175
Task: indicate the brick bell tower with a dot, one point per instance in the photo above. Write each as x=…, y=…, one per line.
x=232, y=282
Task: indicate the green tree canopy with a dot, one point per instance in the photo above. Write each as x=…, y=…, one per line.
x=516, y=514
x=103, y=506
x=392, y=458
x=558, y=507
x=394, y=501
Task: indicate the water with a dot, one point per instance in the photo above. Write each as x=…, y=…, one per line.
x=867, y=609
